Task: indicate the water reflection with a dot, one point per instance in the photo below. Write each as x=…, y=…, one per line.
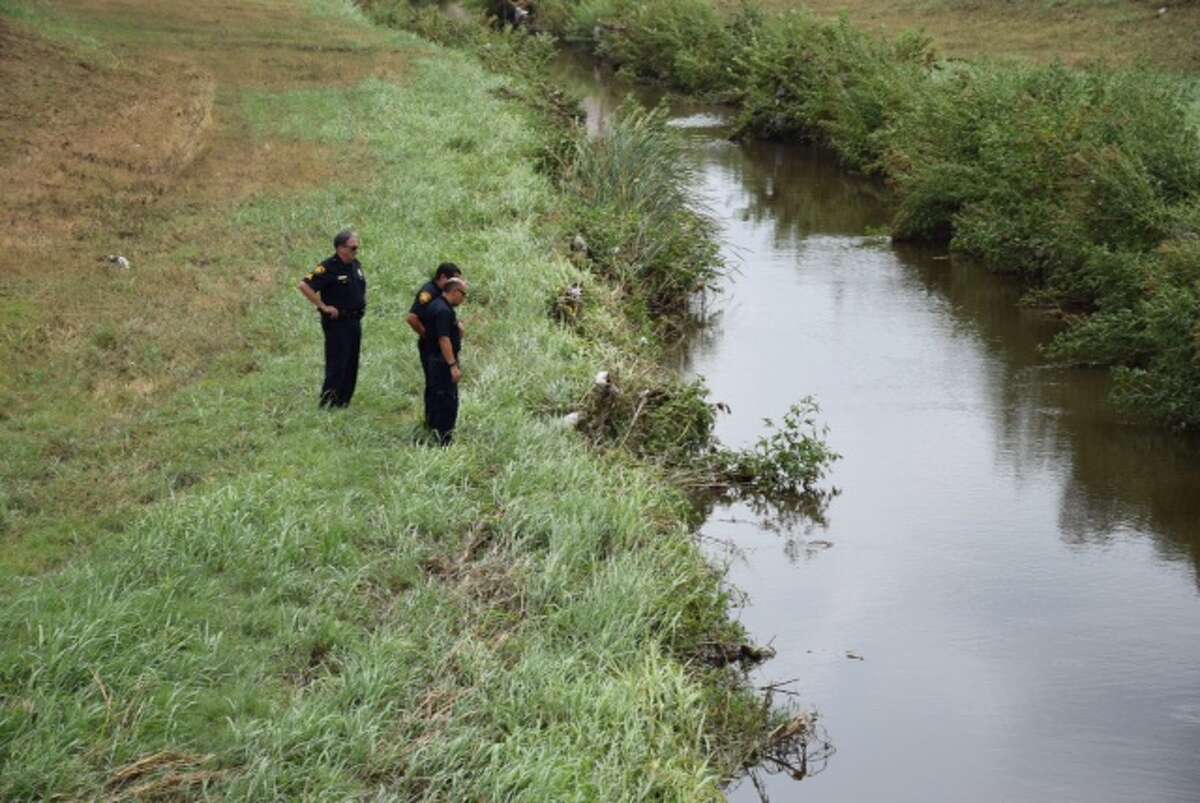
x=765, y=178
x=967, y=459
x=1121, y=478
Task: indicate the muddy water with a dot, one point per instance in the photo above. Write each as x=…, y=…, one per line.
x=1002, y=604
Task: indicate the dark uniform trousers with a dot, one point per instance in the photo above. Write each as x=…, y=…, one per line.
x=343, y=340
x=441, y=400
x=426, y=361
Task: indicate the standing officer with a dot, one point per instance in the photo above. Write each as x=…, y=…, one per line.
x=426, y=346
x=441, y=322
x=338, y=289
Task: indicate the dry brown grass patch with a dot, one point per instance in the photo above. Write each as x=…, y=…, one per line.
x=1071, y=31
x=140, y=148
x=257, y=44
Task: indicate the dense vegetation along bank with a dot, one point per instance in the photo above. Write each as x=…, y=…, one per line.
x=326, y=609
x=1079, y=33
x=1086, y=183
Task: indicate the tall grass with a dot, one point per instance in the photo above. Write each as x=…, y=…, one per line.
x=352, y=614
x=632, y=190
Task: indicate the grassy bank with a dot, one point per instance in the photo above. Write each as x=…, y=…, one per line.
x=1084, y=182
x=263, y=600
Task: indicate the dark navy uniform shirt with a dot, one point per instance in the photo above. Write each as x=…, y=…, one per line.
x=440, y=320
x=340, y=285
x=425, y=296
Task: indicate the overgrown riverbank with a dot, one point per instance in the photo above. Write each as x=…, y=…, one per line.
x=1086, y=183
x=326, y=608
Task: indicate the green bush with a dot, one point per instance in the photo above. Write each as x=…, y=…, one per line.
x=1030, y=166
x=814, y=79
x=683, y=43
x=788, y=462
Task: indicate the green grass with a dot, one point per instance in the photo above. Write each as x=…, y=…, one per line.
x=341, y=611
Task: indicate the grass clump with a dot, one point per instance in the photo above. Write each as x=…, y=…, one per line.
x=632, y=205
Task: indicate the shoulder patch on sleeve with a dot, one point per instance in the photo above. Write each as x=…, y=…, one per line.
x=425, y=297
x=318, y=270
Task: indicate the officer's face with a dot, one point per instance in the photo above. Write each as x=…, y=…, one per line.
x=349, y=251
x=455, y=296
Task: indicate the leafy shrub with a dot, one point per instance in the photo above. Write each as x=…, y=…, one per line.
x=789, y=461
x=683, y=43
x=1152, y=332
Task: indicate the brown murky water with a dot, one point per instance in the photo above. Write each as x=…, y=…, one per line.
x=1015, y=567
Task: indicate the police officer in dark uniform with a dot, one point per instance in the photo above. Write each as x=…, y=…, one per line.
x=426, y=346
x=338, y=289
x=441, y=322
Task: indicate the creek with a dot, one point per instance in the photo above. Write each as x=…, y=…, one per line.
x=1002, y=604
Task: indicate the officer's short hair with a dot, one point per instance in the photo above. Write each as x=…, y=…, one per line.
x=455, y=283
x=344, y=236
x=447, y=269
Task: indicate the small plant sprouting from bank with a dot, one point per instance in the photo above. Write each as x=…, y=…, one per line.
x=788, y=461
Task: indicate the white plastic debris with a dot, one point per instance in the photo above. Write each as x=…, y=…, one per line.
x=602, y=378
x=571, y=420
x=118, y=261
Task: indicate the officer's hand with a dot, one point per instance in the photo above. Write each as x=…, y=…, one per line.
x=455, y=373
x=332, y=312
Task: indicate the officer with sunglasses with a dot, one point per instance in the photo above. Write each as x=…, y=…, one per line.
x=337, y=287
x=441, y=322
